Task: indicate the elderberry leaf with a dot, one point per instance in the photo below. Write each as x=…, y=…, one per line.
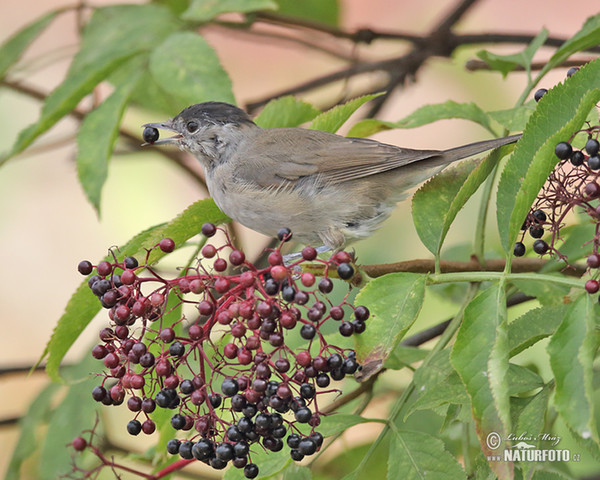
x=450, y=188
x=286, y=112
x=175, y=67
x=480, y=356
x=334, y=118
x=572, y=349
x=269, y=463
x=334, y=424
x=12, y=49
x=296, y=472
x=403, y=356
x=112, y=36
x=528, y=414
x=83, y=305
x=507, y=63
x=563, y=111
x=29, y=442
x=533, y=326
x=205, y=10
x=420, y=455
x=514, y=119
x=394, y=301
x=425, y=115
x=99, y=132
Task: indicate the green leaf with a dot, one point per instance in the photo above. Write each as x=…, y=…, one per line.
x=297, y=472
x=528, y=416
x=522, y=379
x=323, y=11
x=112, y=36
x=188, y=68
x=339, y=422
x=76, y=412
x=547, y=293
x=269, y=463
x=205, y=10
x=286, y=112
x=418, y=455
x=12, y=49
x=99, y=132
x=425, y=115
x=514, y=119
x=403, y=356
x=31, y=422
x=83, y=305
x=533, y=326
x=507, y=63
x=572, y=349
x=334, y=118
x=562, y=112
x=394, y=301
x=588, y=36
x=480, y=356
x=451, y=188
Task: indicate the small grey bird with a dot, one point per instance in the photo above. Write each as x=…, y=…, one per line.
x=327, y=189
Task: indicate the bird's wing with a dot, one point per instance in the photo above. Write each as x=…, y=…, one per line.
x=291, y=154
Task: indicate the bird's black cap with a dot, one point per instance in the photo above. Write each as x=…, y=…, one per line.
x=219, y=113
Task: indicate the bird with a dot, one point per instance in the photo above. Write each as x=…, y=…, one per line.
x=326, y=188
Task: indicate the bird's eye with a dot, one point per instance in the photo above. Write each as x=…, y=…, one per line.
x=192, y=126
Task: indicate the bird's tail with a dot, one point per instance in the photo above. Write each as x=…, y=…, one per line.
x=458, y=153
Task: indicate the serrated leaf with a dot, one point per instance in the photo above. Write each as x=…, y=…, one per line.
x=29, y=442
x=533, y=326
x=451, y=188
x=394, y=301
x=322, y=11
x=188, y=68
x=337, y=423
x=562, y=112
x=99, y=132
x=572, y=349
x=547, y=293
x=205, y=10
x=480, y=356
x=507, y=63
x=514, y=119
x=588, y=36
x=12, y=49
x=83, y=305
x=425, y=115
x=334, y=118
x=286, y=112
x=112, y=36
x=418, y=455
x=528, y=417
x=269, y=463
x=522, y=379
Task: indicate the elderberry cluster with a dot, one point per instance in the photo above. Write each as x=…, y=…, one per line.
x=229, y=376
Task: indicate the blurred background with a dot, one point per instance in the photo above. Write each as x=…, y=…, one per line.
x=47, y=226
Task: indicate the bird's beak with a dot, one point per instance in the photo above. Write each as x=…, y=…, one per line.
x=163, y=141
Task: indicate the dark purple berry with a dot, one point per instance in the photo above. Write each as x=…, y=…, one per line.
x=577, y=158
x=592, y=286
x=85, y=267
x=593, y=261
x=519, y=249
x=229, y=387
x=563, y=150
x=167, y=245
x=346, y=329
x=540, y=247
x=284, y=234
x=208, y=229
x=250, y=471
x=307, y=446
x=303, y=414
x=592, y=147
x=185, y=450
x=134, y=427
x=539, y=94
x=345, y=271
x=536, y=231
x=150, y=135
x=308, y=332
x=594, y=163
x=572, y=71
x=173, y=446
